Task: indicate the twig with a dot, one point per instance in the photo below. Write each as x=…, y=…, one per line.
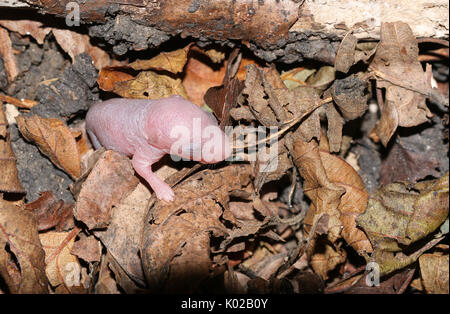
x=290, y=123
x=442, y=42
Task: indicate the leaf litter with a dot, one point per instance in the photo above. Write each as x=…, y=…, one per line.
x=298, y=228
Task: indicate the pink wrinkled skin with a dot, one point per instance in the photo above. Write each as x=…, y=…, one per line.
x=148, y=129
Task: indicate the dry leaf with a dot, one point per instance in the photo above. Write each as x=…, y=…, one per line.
x=176, y=242
x=172, y=62
x=398, y=69
x=199, y=77
x=434, y=272
x=111, y=180
x=122, y=239
x=6, y=51
x=62, y=268
x=9, y=179
x=22, y=264
x=335, y=189
x=108, y=76
x=345, y=55
x=32, y=28
x=51, y=213
x=54, y=139
x=398, y=215
x=402, y=164
x=74, y=44
x=326, y=258
x=87, y=248
x=20, y=103
x=150, y=85
x=106, y=283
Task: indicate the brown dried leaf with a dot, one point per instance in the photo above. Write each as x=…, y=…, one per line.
x=176, y=249
x=87, y=248
x=105, y=282
x=173, y=61
x=434, y=272
x=111, y=180
x=224, y=97
x=20, y=103
x=32, y=28
x=264, y=263
x=402, y=164
x=322, y=78
x=51, y=213
x=22, y=264
x=335, y=189
x=6, y=51
x=9, y=180
x=150, y=85
x=345, y=55
x=62, y=268
x=122, y=239
x=335, y=124
x=326, y=258
x=199, y=77
x=54, y=139
x=398, y=215
x=398, y=69
x=74, y=44
x=108, y=76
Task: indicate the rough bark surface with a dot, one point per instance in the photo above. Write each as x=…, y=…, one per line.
x=282, y=30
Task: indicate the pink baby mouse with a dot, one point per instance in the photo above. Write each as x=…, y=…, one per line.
x=149, y=129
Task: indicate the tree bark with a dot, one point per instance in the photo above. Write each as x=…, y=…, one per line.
x=284, y=30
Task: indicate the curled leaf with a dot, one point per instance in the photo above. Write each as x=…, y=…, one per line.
x=55, y=140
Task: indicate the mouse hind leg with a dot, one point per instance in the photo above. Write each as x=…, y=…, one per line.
x=142, y=162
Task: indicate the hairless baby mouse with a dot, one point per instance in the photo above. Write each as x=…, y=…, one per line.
x=149, y=129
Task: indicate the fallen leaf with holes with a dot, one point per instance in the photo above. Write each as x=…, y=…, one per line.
x=399, y=71
x=176, y=241
x=335, y=189
x=173, y=61
x=150, y=85
x=88, y=248
x=111, y=180
x=402, y=164
x=62, y=268
x=398, y=215
x=54, y=139
x=434, y=272
x=22, y=264
x=51, y=213
x=9, y=180
x=122, y=238
x=75, y=43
